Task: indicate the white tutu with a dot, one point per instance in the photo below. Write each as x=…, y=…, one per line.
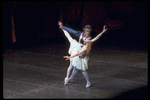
x=79, y=63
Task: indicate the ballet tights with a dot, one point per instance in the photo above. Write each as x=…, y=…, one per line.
x=69, y=70
x=74, y=72
x=85, y=74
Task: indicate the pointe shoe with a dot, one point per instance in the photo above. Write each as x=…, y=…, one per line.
x=66, y=81
x=70, y=81
x=88, y=85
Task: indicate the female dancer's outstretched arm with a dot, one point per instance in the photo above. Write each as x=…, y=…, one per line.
x=99, y=35
x=67, y=35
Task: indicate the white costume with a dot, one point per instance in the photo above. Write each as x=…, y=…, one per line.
x=78, y=62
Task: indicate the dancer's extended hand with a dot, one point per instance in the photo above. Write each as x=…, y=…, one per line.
x=104, y=28
x=60, y=24
x=67, y=57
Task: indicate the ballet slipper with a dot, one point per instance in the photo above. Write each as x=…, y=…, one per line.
x=88, y=84
x=70, y=81
x=66, y=80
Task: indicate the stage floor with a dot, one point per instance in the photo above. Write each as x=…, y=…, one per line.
x=39, y=72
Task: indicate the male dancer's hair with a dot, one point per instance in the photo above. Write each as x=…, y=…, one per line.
x=88, y=27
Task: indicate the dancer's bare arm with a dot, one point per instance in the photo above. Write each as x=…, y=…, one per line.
x=67, y=35
x=84, y=48
x=100, y=34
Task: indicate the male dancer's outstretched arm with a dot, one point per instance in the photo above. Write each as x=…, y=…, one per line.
x=77, y=33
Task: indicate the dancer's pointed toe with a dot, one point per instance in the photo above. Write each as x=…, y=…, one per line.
x=66, y=81
x=88, y=85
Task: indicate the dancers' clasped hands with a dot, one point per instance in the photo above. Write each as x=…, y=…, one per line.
x=60, y=24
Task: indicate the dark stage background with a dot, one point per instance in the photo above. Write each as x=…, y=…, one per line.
x=30, y=23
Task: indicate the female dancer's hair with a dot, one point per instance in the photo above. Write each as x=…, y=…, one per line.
x=81, y=41
x=89, y=44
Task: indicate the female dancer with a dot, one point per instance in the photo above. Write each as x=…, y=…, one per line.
x=75, y=47
x=82, y=56
x=86, y=33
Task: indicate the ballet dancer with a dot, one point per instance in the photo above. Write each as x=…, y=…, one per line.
x=86, y=33
x=82, y=56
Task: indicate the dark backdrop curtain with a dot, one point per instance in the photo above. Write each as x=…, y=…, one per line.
x=48, y=18
x=7, y=23
x=39, y=19
x=70, y=13
x=96, y=13
x=125, y=20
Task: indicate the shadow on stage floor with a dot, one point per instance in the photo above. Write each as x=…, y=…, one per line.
x=140, y=93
